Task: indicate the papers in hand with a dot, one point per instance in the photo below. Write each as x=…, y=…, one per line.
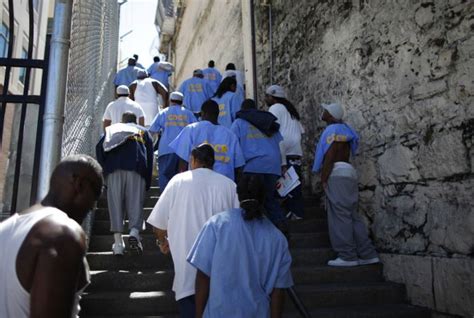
x=288, y=182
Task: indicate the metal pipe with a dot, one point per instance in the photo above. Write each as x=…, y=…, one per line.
x=254, y=50
x=53, y=118
x=270, y=40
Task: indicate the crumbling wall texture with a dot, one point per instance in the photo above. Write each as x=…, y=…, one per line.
x=404, y=71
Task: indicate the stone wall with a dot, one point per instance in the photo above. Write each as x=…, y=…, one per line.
x=404, y=70
x=208, y=30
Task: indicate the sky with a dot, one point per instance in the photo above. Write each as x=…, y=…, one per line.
x=138, y=16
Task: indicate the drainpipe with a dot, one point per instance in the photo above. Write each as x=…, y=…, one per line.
x=53, y=118
x=254, y=49
x=248, y=40
x=270, y=40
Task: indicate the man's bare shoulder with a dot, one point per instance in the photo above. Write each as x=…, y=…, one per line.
x=60, y=233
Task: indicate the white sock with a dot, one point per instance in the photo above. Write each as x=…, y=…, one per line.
x=118, y=239
x=135, y=233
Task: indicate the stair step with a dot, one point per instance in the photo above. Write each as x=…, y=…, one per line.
x=129, y=303
x=102, y=227
x=327, y=295
x=149, y=201
x=153, y=259
x=148, y=280
x=102, y=214
x=311, y=211
x=149, y=260
x=323, y=274
x=365, y=311
x=103, y=243
x=345, y=294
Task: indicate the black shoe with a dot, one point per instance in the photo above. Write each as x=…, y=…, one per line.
x=135, y=245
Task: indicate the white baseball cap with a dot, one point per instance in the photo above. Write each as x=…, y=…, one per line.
x=122, y=90
x=176, y=96
x=335, y=110
x=276, y=91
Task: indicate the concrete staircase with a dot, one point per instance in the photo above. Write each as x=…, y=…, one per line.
x=140, y=286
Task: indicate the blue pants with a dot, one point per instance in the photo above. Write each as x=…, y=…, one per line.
x=294, y=201
x=271, y=204
x=167, y=168
x=187, y=307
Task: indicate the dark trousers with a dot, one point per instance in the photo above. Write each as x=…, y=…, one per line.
x=271, y=204
x=167, y=169
x=294, y=199
x=187, y=307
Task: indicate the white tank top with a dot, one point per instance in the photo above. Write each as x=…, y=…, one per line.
x=146, y=96
x=14, y=299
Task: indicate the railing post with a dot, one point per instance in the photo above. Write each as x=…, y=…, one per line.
x=55, y=94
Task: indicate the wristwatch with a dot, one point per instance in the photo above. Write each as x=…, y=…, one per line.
x=160, y=242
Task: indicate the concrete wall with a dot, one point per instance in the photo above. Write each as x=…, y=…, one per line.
x=209, y=30
x=404, y=72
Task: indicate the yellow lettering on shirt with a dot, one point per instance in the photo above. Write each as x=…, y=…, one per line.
x=255, y=133
x=220, y=151
x=336, y=138
x=139, y=137
x=176, y=120
x=195, y=88
x=222, y=111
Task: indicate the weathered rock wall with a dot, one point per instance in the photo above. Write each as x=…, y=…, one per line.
x=404, y=70
x=209, y=30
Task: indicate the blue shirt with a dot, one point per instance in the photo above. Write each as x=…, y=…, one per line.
x=229, y=105
x=159, y=74
x=262, y=153
x=126, y=75
x=136, y=154
x=213, y=76
x=228, y=154
x=196, y=91
x=169, y=122
x=245, y=260
x=334, y=133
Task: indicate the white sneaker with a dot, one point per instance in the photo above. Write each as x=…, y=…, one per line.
x=369, y=261
x=291, y=216
x=342, y=263
x=118, y=249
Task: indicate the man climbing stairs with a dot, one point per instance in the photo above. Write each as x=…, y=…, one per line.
x=140, y=286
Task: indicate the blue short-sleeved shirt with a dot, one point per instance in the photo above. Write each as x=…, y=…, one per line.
x=126, y=75
x=228, y=154
x=245, y=260
x=262, y=153
x=229, y=105
x=213, y=76
x=160, y=75
x=196, y=91
x=169, y=122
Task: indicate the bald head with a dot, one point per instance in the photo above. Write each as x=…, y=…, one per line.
x=75, y=185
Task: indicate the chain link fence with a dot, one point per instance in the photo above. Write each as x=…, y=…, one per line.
x=92, y=66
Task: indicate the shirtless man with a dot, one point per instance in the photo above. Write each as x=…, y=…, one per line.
x=43, y=268
x=347, y=232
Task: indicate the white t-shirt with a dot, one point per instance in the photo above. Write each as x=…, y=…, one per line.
x=291, y=130
x=189, y=200
x=147, y=97
x=115, y=110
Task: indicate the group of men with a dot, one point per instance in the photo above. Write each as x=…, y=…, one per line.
x=190, y=135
